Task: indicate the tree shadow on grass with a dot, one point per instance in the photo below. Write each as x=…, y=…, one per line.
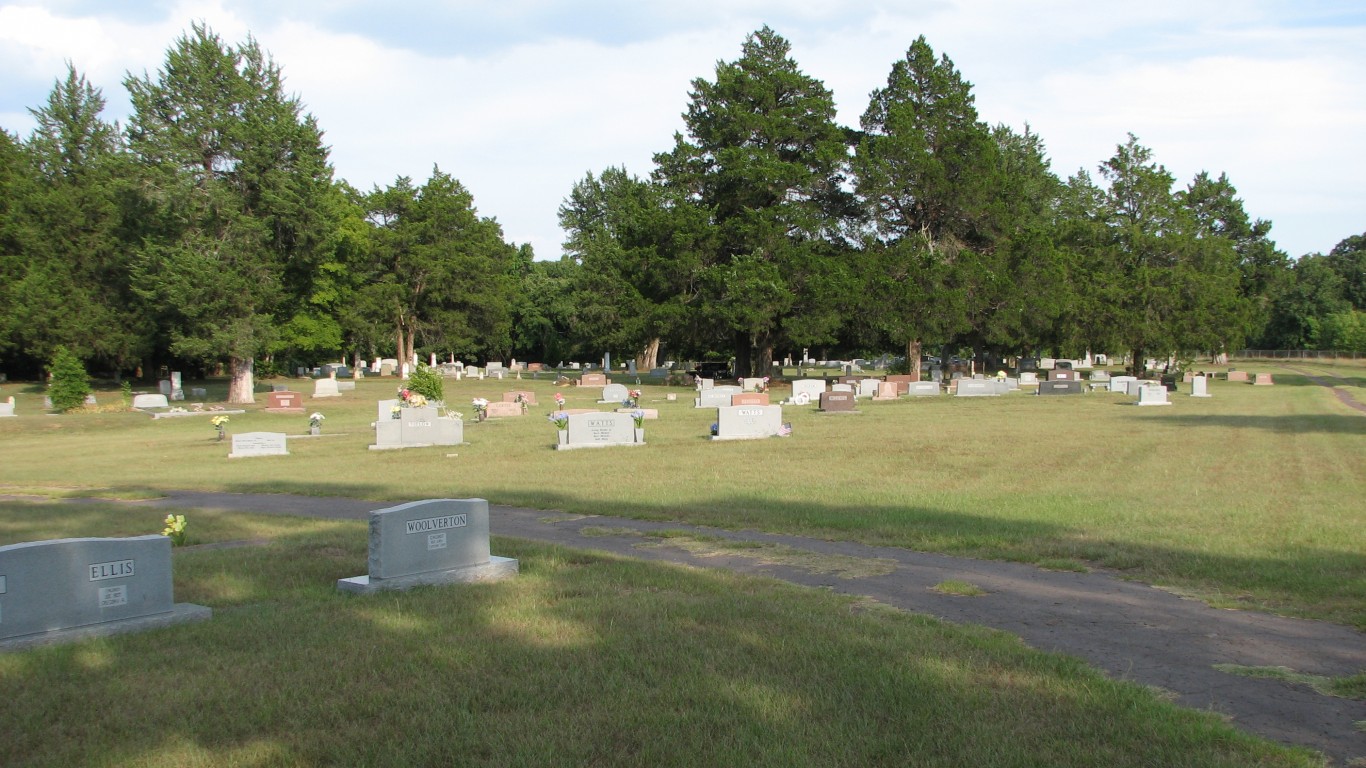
x=1346, y=424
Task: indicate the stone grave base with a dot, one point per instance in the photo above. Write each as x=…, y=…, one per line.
x=497, y=568
x=404, y=445
x=181, y=613
x=283, y=410
x=576, y=446
x=167, y=415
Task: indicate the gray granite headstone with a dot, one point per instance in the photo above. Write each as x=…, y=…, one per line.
x=326, y=388
x=150, y=401
x=716, y=397
x=614, y=393
x=7, y=406
x=1152, y=395
x=1200, y=387
x=748, y=422
x=976, y=388
x=249, y=444
x=812, y=387
x=415, y=428
x=437, y=541
x=1121, y=383
x=67, y=589
x=923, y=389
x=598, y=429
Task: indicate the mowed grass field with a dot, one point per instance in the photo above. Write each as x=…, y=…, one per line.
x=1251, y=498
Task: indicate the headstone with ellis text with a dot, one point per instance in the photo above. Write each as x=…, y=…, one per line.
x=432, y=542
x=69, y=589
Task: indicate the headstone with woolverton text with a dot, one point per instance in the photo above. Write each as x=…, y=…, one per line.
x=68, y=589
x=437, y=541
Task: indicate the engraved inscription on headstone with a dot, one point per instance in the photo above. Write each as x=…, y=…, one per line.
x=248, y=444
x=437, y=541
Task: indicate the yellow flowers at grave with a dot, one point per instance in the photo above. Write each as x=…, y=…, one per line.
x=175, y=528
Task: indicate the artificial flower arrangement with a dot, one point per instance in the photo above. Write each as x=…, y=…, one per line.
x=632, y=398
x=638, y=416
x=315, y=420
x=560, y=419
x=218, y=422
x=763, y=385
x=411, y=399
x=175, y=529
x=559, y=401
x=481, y=408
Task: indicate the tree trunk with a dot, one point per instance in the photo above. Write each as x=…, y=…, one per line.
x=765, y=359
x=241, y=382
x=743, y=347
x=648, y=357
x=1136, y=367
x=399, y=339
x=913, y=359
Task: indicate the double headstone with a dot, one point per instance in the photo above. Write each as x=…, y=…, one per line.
x=1149, y=394
x=749, y=398
x=597, y=429
x=326, y=388
x=67, y=589
x=1237, y=376
x=285, y=402
x=497, y=409
x=748, y=422
x=414, y=428
x=1121, y=383
x=812, y=388
x=923, y=389
x=1062, y=387
x=438, y=541
x=886, y=390
x=976, y=388
x=593, y=380
x=716, y=397
x=1262, y=380
x=150, y=401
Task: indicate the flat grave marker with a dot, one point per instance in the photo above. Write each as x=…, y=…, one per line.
x=252, y=444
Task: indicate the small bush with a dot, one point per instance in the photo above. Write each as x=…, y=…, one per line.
x=427, y=382
x=70, y=383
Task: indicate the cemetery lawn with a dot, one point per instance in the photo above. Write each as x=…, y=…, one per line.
x=1249, y=499
x=582, y=659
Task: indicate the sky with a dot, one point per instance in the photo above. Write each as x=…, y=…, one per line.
x=520, y=99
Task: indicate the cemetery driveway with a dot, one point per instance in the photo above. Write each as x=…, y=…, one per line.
x=1130, y=631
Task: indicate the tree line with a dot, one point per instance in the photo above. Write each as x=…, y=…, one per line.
x=210, y=234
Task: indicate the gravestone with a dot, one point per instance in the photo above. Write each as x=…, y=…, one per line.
x=69, y=589
x=177, y=386
x=250, y=444
x=528, y=397
x=1063, y=374
x=1064, y=387
x=348, y=385
x=648, y=414
x=1132, y=388
x=842, y=387
x=432, y=542
x=164, y=386
x=150, y=401
x=1100, y=376
x=976, y=388
x=1200, y=387
x=1028, y=364
x=593, y=380
x=751, y=384
x=598, y=429
x=923, y=389
x=1121, y=383
x=7, y=406
x=500, y=409
x=1262, y=380
x=386, y=369
x=326, y=388
x=705, y=384
x=749, y=398
x=868, y=387
x=902, y=381
x=198, y=392
x=716, y=397
x=749, y=422
x=1152, y=395
x=613, y=393
x=1237, y=376
x=285, y=402
x=886, y=390
x=836, y=401
x=811, y=387
x=415, y=428
x=1047, y=363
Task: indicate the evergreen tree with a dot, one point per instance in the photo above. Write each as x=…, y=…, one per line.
x=236, y=181
x=70, y=384
x=764, y=161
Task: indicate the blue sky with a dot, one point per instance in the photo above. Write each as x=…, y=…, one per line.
x=521, y=98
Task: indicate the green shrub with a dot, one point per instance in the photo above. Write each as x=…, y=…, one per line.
x=427, y=382
x=70, y=383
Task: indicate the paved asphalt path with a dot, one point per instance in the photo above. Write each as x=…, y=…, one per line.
x=1129, y=630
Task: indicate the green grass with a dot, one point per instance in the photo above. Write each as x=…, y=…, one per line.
x=1250, y=499
x=581, y=660
x=960, y=588
x=1350, y=687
